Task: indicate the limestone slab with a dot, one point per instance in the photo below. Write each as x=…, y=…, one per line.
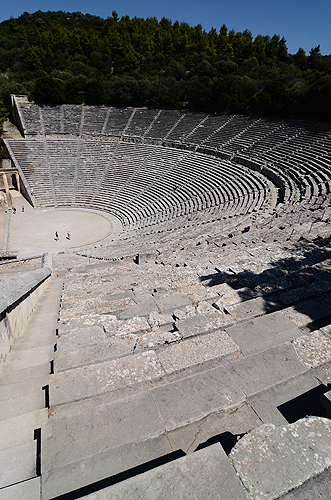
x=102, y=465
x=28, y=490
x=326, y=401
x=238, y=419
x=263, y=332
x=229, y=296
x=84, y=354
x=317, y=487
x=68, y=322
x=173, y=302
x=17, y=463
x=22, y=404
x=87, y=335
x=322, y=373
x=295, y=452
x=20, y=388
x=141, y=309
x=157, y=336
x=251, y=308
x=306, y=312
x=113, y=326
x=20, y=429
x=10, y=376
x=313, y=348
x=75, y=436
x=266, y=403
x=88, y=381
x=203, y=324
x=194, y=397
x=291, y=296
x=197, y=350
x=159, y=319
x=264, y=369
x=202, y=475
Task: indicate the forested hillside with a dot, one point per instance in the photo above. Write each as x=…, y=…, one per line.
x=60, y=57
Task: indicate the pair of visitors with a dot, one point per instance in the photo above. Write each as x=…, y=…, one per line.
x=57, y=236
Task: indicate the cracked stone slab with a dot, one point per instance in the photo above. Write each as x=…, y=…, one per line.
x=202, y=475
x=159, y=319
x=88, y=381
x=113, y=326
x=194, y=397
x=203, y=323
x=306, y=312
x=264, y=369
x=205, y=308
x=313, y=349
x=263, y=332
x=187, y=312
x=295, y=452
x=157, y=336
x=197, y=350
x=236, y=420
x=96, y=352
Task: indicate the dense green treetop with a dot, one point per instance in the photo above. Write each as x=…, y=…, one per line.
x=60, y=57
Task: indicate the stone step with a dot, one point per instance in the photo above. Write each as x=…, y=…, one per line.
x=29, y=358
x=144, y=423
x=259, y=334
x=22, y=404
x=27, y=490
x=23, y=388
x=88, y=381
x=9, y=376
x=18, y=463
x=20, y=429
x=206, y=474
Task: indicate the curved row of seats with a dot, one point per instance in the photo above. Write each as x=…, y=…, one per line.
x=156, y=167
x=136, y=182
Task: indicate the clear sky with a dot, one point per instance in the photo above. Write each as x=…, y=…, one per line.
x=303, y=23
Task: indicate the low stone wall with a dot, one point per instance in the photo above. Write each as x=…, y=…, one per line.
x=18, y=297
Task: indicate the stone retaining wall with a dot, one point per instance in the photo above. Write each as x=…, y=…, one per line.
x=18, y=297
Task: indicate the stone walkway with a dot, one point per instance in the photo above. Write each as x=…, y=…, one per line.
x=24, y=380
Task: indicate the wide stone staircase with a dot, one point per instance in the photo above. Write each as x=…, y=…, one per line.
x=158, y=360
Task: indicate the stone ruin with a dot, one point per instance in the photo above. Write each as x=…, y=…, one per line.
x=189, y=354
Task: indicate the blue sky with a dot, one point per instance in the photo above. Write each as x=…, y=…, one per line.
x=303, y=23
